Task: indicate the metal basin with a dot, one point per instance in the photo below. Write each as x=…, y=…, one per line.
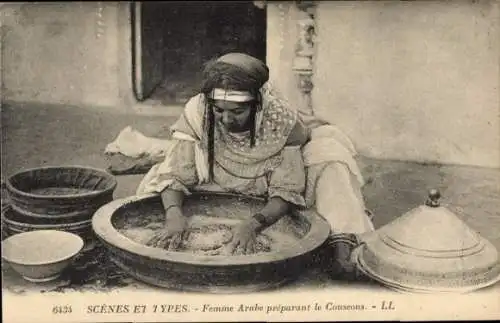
x=305, y=232
x=429, y=249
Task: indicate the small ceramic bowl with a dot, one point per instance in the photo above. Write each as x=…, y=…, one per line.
x=42, y=255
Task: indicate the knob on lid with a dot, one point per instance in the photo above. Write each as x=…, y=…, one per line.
x=433, y=199
x=430, y=248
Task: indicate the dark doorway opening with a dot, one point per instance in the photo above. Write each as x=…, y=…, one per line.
x=172, y=41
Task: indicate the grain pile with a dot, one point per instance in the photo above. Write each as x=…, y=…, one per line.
x=202, y=239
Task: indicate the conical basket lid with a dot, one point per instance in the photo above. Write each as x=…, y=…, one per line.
x=429, y=248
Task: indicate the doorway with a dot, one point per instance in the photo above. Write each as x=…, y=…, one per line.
x=172, y=41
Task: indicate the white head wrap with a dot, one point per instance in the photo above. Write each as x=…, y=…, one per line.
x=231, y=95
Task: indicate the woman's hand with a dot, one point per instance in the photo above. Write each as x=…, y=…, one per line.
x=244, y=236
x=170, y=237
x=175, y=226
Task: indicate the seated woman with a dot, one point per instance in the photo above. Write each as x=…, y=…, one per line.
x=239, y=136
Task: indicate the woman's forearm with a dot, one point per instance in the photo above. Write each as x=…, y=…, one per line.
x=274, y=210
x=172, y=198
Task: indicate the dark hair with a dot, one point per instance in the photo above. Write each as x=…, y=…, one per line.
x=228, y=77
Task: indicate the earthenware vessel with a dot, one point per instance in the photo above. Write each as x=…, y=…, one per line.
x=203, y=273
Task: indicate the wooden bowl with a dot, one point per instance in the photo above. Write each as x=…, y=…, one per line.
x=60, y=191
x=306, y=230
x=14, y=223
x=11, y=216
x=41, y=256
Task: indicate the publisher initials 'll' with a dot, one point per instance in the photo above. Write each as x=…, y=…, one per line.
x=387, y=306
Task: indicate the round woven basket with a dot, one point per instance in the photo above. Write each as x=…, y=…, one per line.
x=74, y=192
x=214, y=274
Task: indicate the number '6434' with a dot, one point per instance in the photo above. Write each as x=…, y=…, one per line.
x=62, y=309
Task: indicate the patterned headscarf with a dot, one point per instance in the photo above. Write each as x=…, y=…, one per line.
x=255, y=69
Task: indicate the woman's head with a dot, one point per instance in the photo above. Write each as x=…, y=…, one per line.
x=231, y=85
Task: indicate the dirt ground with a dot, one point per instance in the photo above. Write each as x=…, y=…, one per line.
x=35, y=135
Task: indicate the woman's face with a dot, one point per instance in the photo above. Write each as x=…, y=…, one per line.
x=234, y=116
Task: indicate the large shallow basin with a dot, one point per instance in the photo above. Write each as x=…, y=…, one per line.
x=300, y=234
